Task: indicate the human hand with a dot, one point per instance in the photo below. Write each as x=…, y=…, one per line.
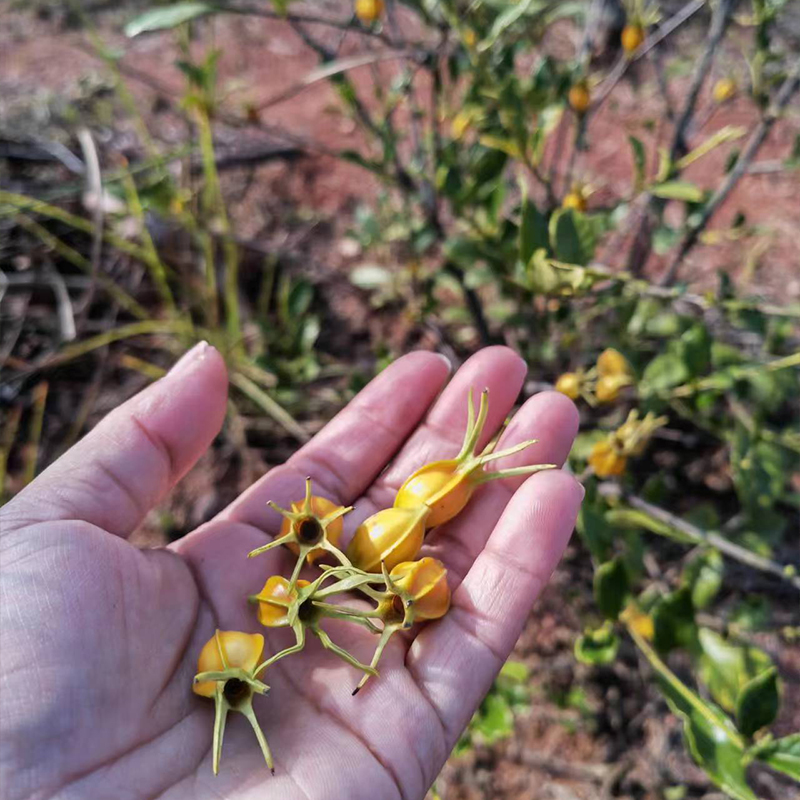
x=100, y=639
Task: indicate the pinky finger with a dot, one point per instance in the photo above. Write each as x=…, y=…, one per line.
x=455, y=661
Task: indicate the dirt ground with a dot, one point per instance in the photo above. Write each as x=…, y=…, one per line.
x=618, y=740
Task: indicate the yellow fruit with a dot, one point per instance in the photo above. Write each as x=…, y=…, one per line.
x=390, y=536
x=226, y=672
x=224, y=650
x=607, y=388
x=470, y=38
x=579, y=98
x=724, y=89
x=424, y=582
x=368, y=10
x=606, y=460
x=612, y=363
x=321, y=507
x=632, y=38
x=574, y=200
x=274, y=601
x=445, y=487
x=569, y=384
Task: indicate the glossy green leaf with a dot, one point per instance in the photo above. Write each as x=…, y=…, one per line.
x=781, y=754
x=532, y=231
x=711, y=737
x=703, y=576
x=673, y=622
x=611, y=587
x=758, y=702
x=165, y=17
x=573, y=237
x=664, y=372
x=726, y=667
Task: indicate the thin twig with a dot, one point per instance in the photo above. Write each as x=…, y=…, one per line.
x=700, y=536
x=787, y=90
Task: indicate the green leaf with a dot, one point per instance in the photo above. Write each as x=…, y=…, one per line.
x=696, y=348
x=165, y=17
x=515, y=671
x=495, y=719
x=507, y=18
x=758, y=702
x=611, y=587
x=639, y=161
x=673, y=622
x=665, y=371
x=507, y=146
x=726, y=667
x=597, y=646
x=572, y=236
x=532, y=231
x=703, y=576
x=781, y=754
x=712, y=739
x=595, y=531
x=678, y=190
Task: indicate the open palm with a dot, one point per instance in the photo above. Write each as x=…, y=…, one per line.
x=100, y=639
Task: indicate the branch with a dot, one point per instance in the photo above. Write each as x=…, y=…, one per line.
x=700, y=536
x=787, y=90
x=719, y=23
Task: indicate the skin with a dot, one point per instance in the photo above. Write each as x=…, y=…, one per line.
x=100, y=639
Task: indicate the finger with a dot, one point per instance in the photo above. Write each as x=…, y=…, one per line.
x=500, y=370
x=550, y=417
x=455, y=660
x=131, y=459
x=344, y=458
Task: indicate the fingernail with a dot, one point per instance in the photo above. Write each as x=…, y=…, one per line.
x=188, y=359
x=446, y=361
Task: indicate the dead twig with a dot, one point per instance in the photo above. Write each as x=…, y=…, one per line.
x=787, y=90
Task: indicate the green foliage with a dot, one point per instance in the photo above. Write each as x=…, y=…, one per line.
x=494, y=719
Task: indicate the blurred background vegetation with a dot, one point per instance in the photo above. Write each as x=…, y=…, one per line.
x=611, y=188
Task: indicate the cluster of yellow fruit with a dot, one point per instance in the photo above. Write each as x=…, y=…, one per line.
x=600, y=384
x=609, y=457
x=379, y=566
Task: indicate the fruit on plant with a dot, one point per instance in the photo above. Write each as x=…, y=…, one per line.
x=569, y=384
x=368, y=10
x=632, y=38
x=579, y=97
x=724, y=89
x=415, y=591
x=611, y=362
x=607, y=388
x=470, y=37
x=390, y=536
x=226, y=672
x=614, y=373
x=274, y=600
x=445, y=487
x=606, y=459
x=574, y=200
x=312, y=527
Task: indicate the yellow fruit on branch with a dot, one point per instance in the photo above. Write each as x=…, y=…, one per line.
x=724, y=89
x=632, y=38
x=579, y=97
x=368, y=10
x=569, y=384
